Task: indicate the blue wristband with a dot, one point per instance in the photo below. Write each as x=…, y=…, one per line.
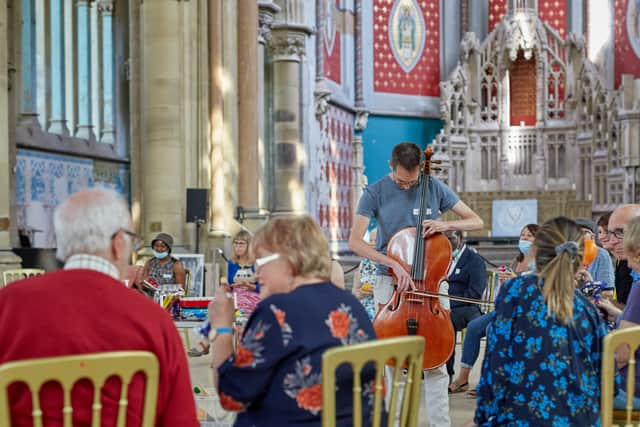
x=224, y=330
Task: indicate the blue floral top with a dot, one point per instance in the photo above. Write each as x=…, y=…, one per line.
x=539, y=371
x=274, y=377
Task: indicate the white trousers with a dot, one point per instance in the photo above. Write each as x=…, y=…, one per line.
x=435, y=386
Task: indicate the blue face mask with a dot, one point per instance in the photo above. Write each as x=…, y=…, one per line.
x=455, y=253
x=160, y=255
x=524, y=246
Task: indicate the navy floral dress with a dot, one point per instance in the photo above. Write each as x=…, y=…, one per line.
x=274, y=377
x=539, y=371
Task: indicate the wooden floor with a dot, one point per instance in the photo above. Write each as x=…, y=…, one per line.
x=461, y=406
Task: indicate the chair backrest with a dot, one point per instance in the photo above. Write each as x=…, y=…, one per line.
x=67, y=370
x=395, y=351
x=489, y=294
x=613, y=340
x=9, y=276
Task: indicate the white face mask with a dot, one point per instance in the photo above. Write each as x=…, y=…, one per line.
x=160, y=255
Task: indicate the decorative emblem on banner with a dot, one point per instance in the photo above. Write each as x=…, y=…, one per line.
x=407, y=33
x=633, y=25
x=329, y=24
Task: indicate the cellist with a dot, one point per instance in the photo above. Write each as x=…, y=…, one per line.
x=393, y=202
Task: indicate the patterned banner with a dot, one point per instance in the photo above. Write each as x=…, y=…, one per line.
x=332, y=50
x=627, y=39
x=407, y=47
x=553, y=12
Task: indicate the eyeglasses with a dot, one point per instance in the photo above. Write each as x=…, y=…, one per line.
x=261, y=262
x=136, y=241
x=403, y=183
x=618, y=233
x=240, y=242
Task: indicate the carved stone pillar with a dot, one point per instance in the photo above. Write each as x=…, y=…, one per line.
x=161, y=109
x=286, y=47
x=8, y=259
x=266, y=12
x=84, y=129
x=107, y=132
x=58, y=122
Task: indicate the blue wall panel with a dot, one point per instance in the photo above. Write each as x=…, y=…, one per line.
x=383, y=132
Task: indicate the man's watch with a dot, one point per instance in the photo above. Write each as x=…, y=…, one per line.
x=214, y=332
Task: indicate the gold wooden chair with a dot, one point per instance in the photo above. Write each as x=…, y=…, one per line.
x=396, y=350
x=9, y=276
x=613, y=340
x=67, y=370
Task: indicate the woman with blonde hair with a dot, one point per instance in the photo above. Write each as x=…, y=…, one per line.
x=273, y=378
x=241, y=273
x=542, y=363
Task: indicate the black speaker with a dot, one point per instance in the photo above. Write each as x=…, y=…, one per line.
x=197, y=204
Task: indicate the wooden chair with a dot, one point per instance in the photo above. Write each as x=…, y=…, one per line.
x=489, y=295
x=613, y=340
x=396, y=350
x=67, y=370
x=9, y=276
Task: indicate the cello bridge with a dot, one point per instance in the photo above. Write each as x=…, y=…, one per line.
x=415, y=300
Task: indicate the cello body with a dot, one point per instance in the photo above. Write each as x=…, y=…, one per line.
x=433, y=321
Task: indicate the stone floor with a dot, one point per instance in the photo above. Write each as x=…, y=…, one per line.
x=461, y=406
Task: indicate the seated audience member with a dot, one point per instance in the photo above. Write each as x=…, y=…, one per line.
x=273, y=378
x=603, y=231
x=363, y=280
x=467, y=277
x=618, y=222
x=601, y=268
x=241, y=273
x=542, y=364
x=630, y=316
x=476, y=329
x=85, y=308
x=163, y=268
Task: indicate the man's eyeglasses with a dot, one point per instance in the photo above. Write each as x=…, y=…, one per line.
x=404, y=183
x=261, y=262
x=136, y=241
x=618, y=233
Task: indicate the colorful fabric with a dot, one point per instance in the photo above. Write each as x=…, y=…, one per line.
x=368, y=272
x=83, y=311
x=537, y=370
x=273, y=379
x=246, y=299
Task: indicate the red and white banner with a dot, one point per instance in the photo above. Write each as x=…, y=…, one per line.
x=627, y=39
x=406, y=47
x=553, y=12
x=331, y=36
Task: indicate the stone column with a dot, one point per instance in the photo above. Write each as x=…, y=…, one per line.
x=8, y=259
x=217, y=193
x=28, y=97
x=58, y=122
x=83, y=32
x=107, y=132
x=249, y=183
x=286, y=48
x=161, y=109
x=266, y=11
x=359, y=180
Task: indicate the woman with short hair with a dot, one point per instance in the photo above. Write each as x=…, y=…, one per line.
x=273, y=378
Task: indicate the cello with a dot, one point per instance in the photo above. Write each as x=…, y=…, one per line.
x=418, y=311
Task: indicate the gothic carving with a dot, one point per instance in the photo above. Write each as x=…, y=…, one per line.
x=105, y=7
x=577, y=136
x=321, y=101
x=286, y=45
x=361, y=120
x=266, y=16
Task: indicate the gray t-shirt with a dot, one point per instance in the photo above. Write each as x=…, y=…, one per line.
x=394, y=208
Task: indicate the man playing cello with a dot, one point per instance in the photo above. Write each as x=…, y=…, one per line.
x=393, y=201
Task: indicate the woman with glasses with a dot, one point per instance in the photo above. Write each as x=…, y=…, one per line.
x=241, y=274
x=164, y=269
x=274, y=376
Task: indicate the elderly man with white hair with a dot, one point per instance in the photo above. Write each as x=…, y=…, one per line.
x=85, y=308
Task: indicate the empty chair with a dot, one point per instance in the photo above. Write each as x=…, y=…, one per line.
x=68, y=370
x=404, y=396
x=9, y=276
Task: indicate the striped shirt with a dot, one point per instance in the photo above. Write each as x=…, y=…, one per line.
x=92, y=262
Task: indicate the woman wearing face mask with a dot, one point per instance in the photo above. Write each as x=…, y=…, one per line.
x=476, y=329
x=163, y=268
